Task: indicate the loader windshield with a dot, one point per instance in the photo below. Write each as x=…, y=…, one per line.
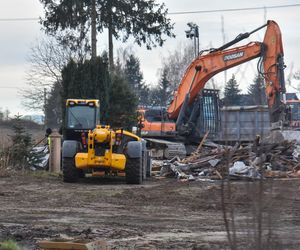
x=81, y=117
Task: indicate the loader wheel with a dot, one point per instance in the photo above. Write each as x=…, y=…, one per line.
x=81, y=173
x=70, y=172
x=134, y=171
x=144, y=165
x=148, y=165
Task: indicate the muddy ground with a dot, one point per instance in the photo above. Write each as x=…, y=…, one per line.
x=160, y=214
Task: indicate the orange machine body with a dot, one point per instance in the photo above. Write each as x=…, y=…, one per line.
x=212, y=63
x=205, y=66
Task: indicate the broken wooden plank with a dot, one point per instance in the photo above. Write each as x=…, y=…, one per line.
x=63, y=244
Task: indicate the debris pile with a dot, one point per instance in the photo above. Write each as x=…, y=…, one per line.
x=251, y=161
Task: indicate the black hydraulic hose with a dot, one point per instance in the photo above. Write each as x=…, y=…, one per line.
x=184, y=106
x=239, y=38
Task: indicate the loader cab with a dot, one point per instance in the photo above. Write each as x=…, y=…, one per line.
x=82, y=115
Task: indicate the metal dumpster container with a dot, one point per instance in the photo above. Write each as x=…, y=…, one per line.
x=243, y=123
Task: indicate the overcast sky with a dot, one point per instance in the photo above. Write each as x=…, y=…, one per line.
x=18, y=36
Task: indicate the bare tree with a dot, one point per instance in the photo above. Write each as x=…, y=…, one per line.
x=296, y=77
x=123, y=54
x=176, y=63
x=46, y=61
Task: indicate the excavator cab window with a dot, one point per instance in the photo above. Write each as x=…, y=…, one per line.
x=209, y=111
x=155, y=115
x=209, y=117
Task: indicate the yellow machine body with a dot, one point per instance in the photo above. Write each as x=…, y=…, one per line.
x=98, y=150
x=105, y=139
x=91, y=102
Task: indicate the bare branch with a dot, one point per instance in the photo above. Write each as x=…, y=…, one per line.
x=46, y=61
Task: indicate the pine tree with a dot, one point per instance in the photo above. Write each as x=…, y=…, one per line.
x=160, y=94
x=92, y=80
x=21, y=144
x=133, y=74
x=154, y=97
x=256, y=92
x=164, y=87
x=232, y=92
x=122, y=108
x=135, y=77
x=53, y=115
x=1, y=115
x=87, y=80
x=145, y=21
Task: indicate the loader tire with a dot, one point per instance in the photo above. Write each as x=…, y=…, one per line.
x=70, y=172
x=134, y=171
x=144, y=165
x=81, y=173
x=148, y=165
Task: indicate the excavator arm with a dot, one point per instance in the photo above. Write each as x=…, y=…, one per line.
x=204, y=67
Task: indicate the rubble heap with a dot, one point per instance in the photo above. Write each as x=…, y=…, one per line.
x=251, y=161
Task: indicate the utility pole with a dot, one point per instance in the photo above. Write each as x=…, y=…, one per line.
x=193, y=33
x=265, y=14
x=45, y=103
x=224, y=41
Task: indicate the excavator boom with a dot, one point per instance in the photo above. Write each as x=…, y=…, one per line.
x=191, y=108
x=273, y=72
x=204, y=67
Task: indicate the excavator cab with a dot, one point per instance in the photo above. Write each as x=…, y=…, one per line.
x=155, y=123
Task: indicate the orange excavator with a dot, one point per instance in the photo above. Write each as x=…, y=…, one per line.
x=183, y=112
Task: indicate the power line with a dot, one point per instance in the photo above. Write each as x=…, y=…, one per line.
x=232, y=10
x=21, y=19
x=3, y=87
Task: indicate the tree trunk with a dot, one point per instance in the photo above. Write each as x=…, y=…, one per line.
x=93, y=30
x=110, y=39
x=110, y=47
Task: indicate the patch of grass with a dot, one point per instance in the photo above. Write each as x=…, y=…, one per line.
x=9, y=245
x=43, y=174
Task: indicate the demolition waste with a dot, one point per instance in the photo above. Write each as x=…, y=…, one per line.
x=212, y=161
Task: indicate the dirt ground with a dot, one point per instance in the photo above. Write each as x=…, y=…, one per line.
x=160, y=214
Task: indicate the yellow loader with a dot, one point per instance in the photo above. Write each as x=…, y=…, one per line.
x=98, y=149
